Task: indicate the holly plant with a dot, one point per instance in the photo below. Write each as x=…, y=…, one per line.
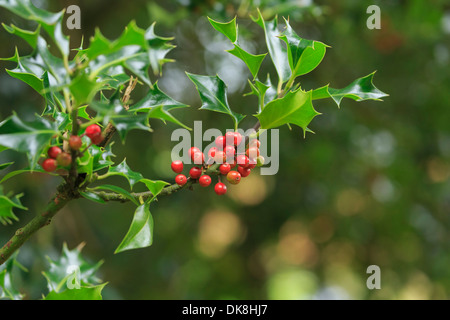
x=87, y=93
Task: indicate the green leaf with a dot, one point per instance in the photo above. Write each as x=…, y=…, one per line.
x=124, y=170
x=275, y=45
x=304, y=55
x=31, y=37
x=158, y=105
x=140, y=234
x=253, y=62
x=228, y=29
x=213, y=93
x=359, y=90
x=28, y=137
x=14, y=173
x=7, y=285
x=265, y=92
x=92, y=196
x=51, y=22
x=83, y=89
x=118, y=190
x=155, y=187
x=7, y=203
x=5, y=165
x=294, y=108
x=136, y=49
x=65, y=264
x=83, y=293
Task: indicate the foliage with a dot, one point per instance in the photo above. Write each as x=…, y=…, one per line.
x=87, y=85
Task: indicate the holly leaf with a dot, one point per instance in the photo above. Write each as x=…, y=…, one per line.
x=359, y=90
x=228, y=29
x=265, y=92
x=277, y=50
x=30, y=37
x=51, y=22
x=140, y=233
x=27, y=137
x=213, y=93
x=118, y=190
x=294, y=108
x=7, y=204
x=82, y=293
x=92, y=196
x=158, y=105
x=304, y=55
x=124, y=170
x=155, y=187
x=7, y=286
x=83, y=89
x=66, y=264
x=253, y=62
x=3, y=166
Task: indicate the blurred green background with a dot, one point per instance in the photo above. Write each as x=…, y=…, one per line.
x=371, y=187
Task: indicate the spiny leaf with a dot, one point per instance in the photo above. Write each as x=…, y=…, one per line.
x=8, y=288
x=51, y=22
x=277, y=50
x=304, y=55
x=228, y=29
x=253, y=62
x=359, y=90
x=213, y=93
x=140, y=234
x=124, y=170
x=155, y=187
x=294, y=108
x=7, y=203
x=65, y=264
x=83, y=293
x=28, y=137
x=31, y=37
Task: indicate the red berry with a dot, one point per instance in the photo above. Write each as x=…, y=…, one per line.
x=220, y=157
x=237, y=138
x=204, y=180
x=195, y=172
x=224, y=168
x=212, y=152
x=64, y=159
x=177, y=166
x=234, y=177
x=244, y=171
x=192, y=151
x=75, y=142
x=181, y=179
x=229, y=138
x=93, y=130
x=220, y=188
x=230, y=152
x=198, y=157
x=220, y=142
x=253, y=152
x=242, y=160
x=254, y=143
x=53, y=152
x=97, y=139
x=232, y=163
x=49, y=165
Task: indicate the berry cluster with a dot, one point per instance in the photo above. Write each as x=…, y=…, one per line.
x=225, y=156
x=59, y=158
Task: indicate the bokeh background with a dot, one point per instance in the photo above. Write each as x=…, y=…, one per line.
x=371, y=186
